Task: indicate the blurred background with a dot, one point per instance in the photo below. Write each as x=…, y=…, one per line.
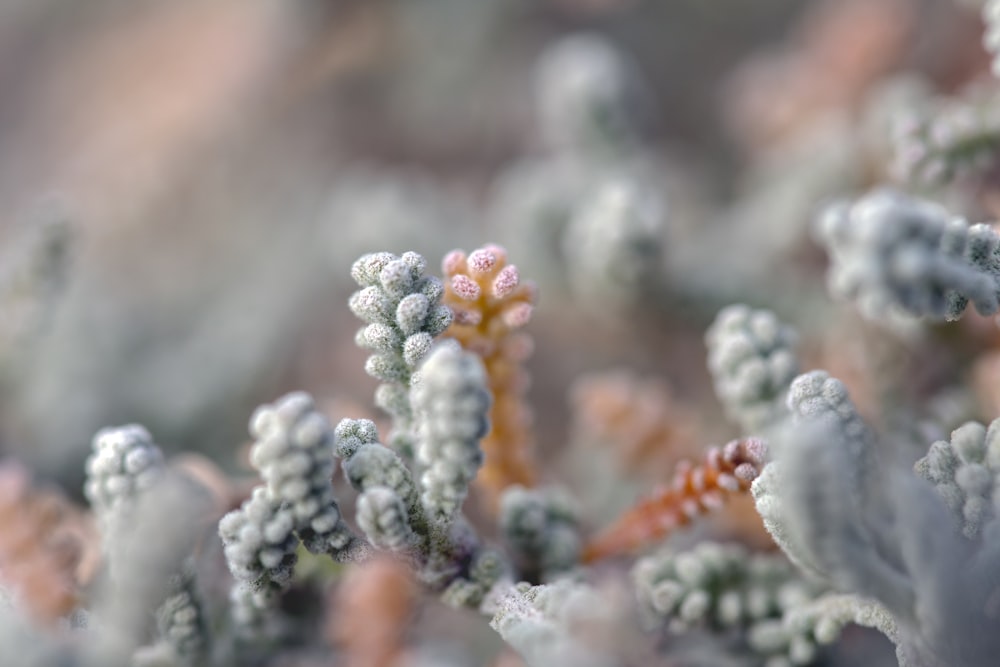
x=184, y=186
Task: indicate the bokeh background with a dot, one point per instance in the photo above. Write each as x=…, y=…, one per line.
x=219, y=165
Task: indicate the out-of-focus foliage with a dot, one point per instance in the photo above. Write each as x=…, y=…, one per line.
x=185, y=187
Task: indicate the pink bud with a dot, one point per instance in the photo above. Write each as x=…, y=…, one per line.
x=453, y=262
x=481, y=261
x=517, y=315
x=506, y=281
x=465, y=287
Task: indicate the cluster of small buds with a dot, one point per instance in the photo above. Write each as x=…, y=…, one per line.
x=377, y=472
x=752, y=360
x=181, y=623
x=125, y=463
x=723, y=587
x=373, y=464
x=393, y=517
x=403, y=311
x=450, y=404
x=893, y=252
x=253, y=616
x=486, y=569
x=259, y=543
x=382, y=517
x=952, y=141
x=965, y=472
x=613, y=244
x=491, y=305
x=293, y=450
x=817, y=397
x=484, y=290
x=542, y=530
x=694, y=490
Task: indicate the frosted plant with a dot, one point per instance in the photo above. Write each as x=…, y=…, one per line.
x=965, y=472
x=125, y=463
x=541, y=528
x=752, y=360
x=947, y=141
x=182, y=629
x=492, y=306
x=293, y=450
x=875, y=531
x=382, y=517
x=137, y=502
x=613, y=243
x=450, y=403
x=728, y=591
x=259, y=543
x=546, y=624
x=816, y=398
x=180, y=622
x=386, y=487
x=391, y=512
x=151, y=551
x=891, y=252
x=403, y=312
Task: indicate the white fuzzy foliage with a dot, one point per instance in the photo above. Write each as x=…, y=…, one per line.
x=450, y=403
x=752, y=360
x=891, y=252
x=293, y=450
x=965, y=472
x=125, y=463
x=402, y=308
x=259, y=544
x=815, y=396
x=891, y=539
x=382, y=517
x=180, y=621
x=403, y=311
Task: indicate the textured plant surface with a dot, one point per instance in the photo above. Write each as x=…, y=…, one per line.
x=491, y=306
x=342, y=442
